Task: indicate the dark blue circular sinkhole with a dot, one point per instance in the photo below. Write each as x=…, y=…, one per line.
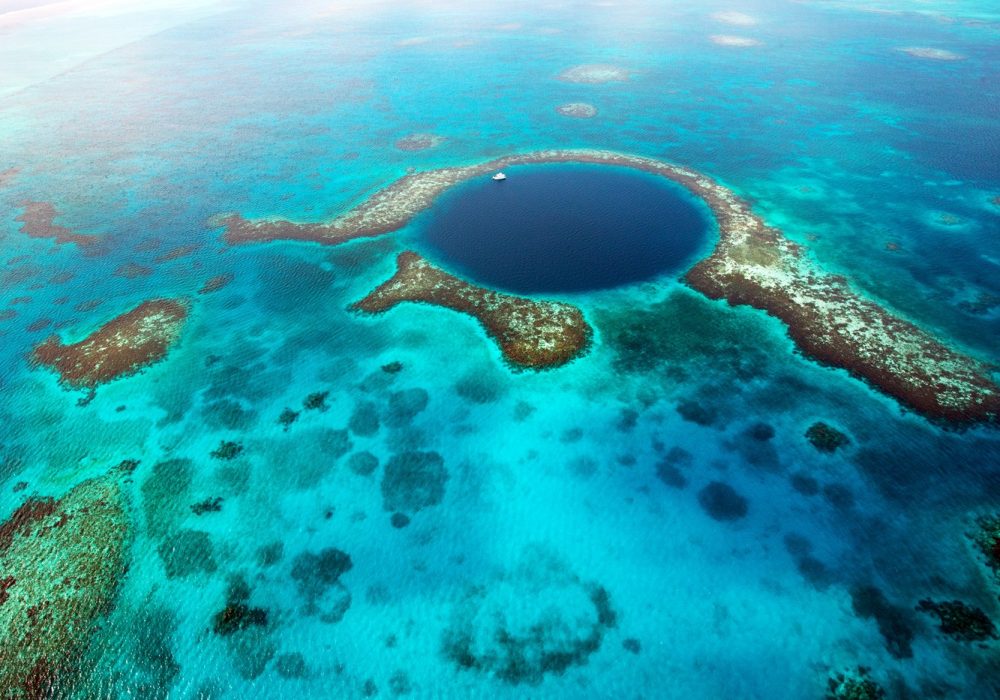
x=565, y=228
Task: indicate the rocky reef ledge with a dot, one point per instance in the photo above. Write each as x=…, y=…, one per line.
x=752, y=264
x=531, y=334
x=60, y=564
x=120, y=347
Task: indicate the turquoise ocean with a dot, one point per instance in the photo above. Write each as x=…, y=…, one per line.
x=648, y=521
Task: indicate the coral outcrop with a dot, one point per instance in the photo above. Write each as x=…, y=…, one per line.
x=60, y=562
x=38, y=221
x=959, y=621
x=530, y=333
x=122, y=346
x=539, y=619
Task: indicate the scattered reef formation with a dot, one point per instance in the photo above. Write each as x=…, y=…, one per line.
x=739, y=19
x=227, y=450
x=38, y=221
x=7, y=176
x=594, y=73
x=122, y=346
x=722, y=502
x=419, y=142
x=854, y=685
x=959, y=621
x=826, y=438
x=178, y=252
x=317, y=575
x=209, y=505
x=736, y=41
x=187, y=552
x=214, y=284
x=413, y=481
x=61, y=561
x=753, y=264
x=287, y=418
x=894, y=623
x=532, y=334
x=539, y=619
x=132, y=271
x=986, y=537
x=580, y=110
x=316, y=401
x=931, y=53
x=237, y=614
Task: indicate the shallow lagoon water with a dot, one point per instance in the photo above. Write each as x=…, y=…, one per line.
x=556, y=486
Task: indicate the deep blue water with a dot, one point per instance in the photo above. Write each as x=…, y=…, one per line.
x=566, y=228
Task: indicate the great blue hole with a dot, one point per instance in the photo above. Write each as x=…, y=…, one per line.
x=565, y=228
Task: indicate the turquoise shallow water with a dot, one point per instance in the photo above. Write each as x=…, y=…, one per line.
x=566, y=509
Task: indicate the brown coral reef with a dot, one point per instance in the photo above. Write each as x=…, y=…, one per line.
x=530, y=333
x=61, y=562
x=38, y=221
x=753, y=264
x=120, y=347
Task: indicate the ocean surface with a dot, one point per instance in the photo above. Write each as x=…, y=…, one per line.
x=648, y=521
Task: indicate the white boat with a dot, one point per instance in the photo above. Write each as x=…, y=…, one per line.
x=499, y=176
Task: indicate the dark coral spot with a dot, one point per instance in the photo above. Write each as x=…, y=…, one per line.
x=316, y=401
x=399, y=684
x=804, y=484
x=362, y=463
x=315, y=571
x=893, y=621
x=405, y=405
x=335, y=443
x=627, y=419
x=722, y=502
x=960, y=621
x=318, y=578
x=571, y=435
x=399, y=520
x=670, y=475
x=227, y=450
x=364, y=420
x=270, y=554
x=812, y=569
x=826, y=438
x=209, y=505
x=229, y=414
x=760, y=431
x=287, y=417
x=412, y=481
x=839, y=496
x=854, y=686
x=522, y=410
x=479, y=387
x=291, y=665
x=238, y=616
x=187, y=552
x=695, y=412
